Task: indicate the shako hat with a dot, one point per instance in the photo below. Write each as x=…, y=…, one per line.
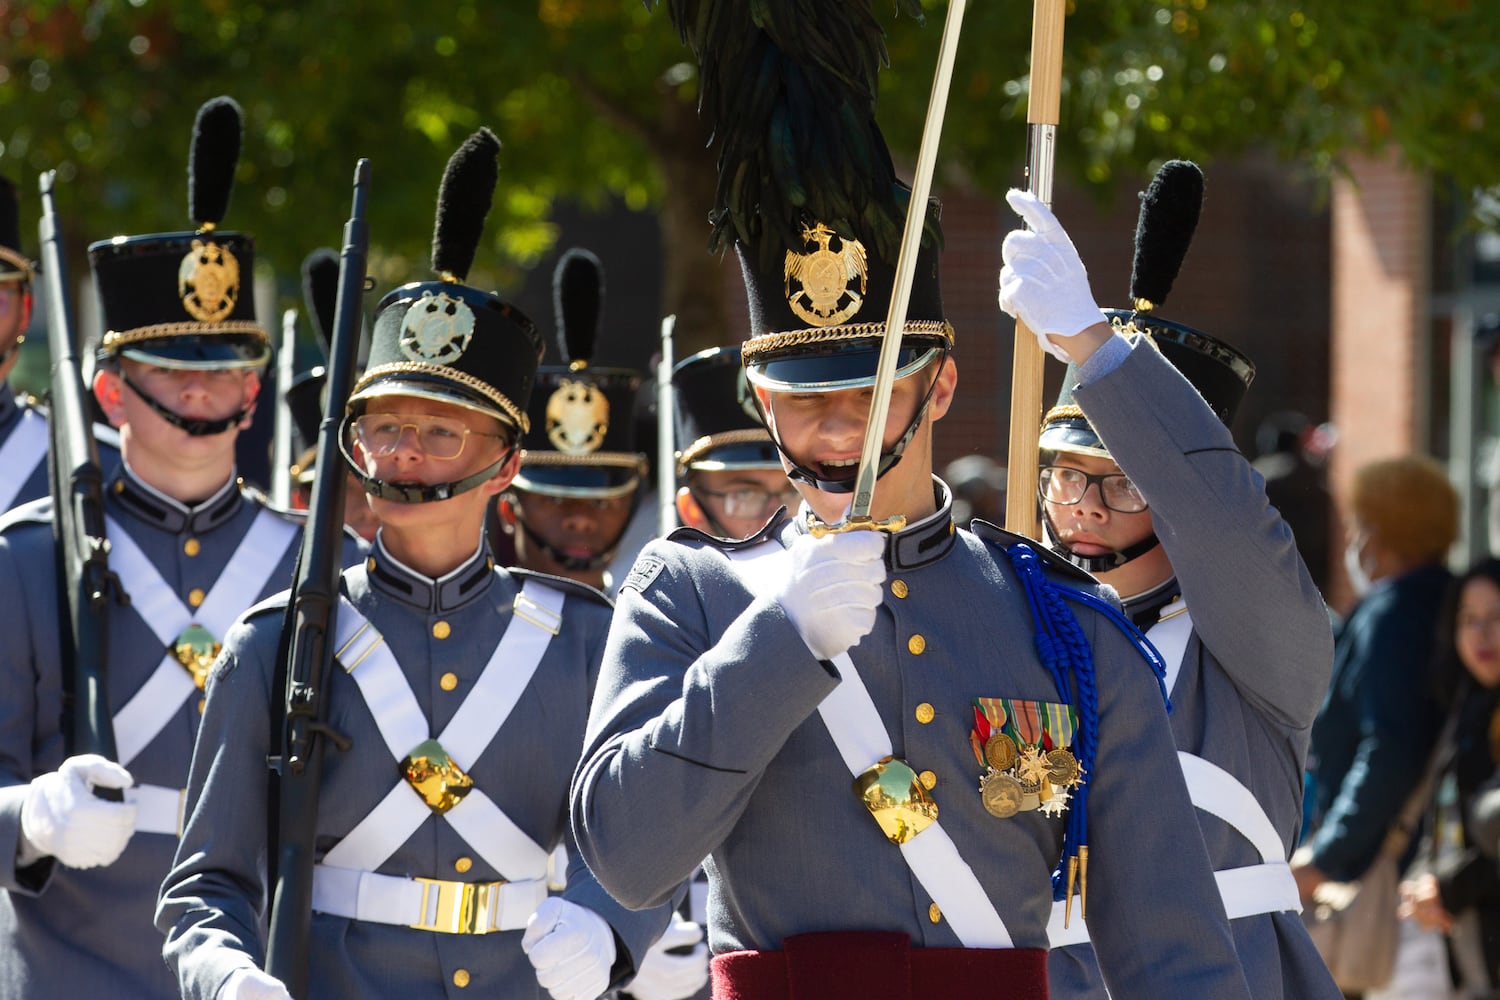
x=444, y=340
x=1170, y=207
x=14, y=266
x=716, y=423
x=187, y=300
x=583, y=428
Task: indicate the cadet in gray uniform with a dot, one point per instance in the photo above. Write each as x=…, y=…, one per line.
x=23, y=425
x=178, y=372
x=797, y=708
x=464, y=693
x=1182, y=529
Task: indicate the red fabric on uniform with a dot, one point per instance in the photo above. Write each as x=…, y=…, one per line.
x=877, y=965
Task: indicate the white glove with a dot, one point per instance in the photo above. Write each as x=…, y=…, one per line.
x=1043, y=283
x=252, y=984
x=571, y=948
x=664, y=976
x=62, y=817
x=832, y=588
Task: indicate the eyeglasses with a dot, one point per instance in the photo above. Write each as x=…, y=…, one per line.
x=1062, y=485
x=751, y=501
x=442, y=438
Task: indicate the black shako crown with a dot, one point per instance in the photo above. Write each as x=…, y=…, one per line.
x=582, y=437
x=716, y=423
x=14, y=266
x=187, y=300
x=304, y=397
x=444, y=340
x=1169, y=214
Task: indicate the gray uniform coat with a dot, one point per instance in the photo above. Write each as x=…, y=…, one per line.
x=214, y=901
x=704, y=740
x=65, y=932
x=23, y=431
x=1258, y=660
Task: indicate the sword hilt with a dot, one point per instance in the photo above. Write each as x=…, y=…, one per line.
x=819, y=528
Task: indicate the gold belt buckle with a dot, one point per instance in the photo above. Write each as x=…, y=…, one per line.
x=196, y=649
x=432, y=774
x=462, y=907
x=897, y=799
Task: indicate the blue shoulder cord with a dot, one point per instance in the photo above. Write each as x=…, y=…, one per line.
x=1063, y=649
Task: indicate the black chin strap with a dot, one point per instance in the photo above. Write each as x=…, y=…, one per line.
x=197, y=428
x=577, y=564
x=397, y=493
x=888, y=459
x=1102, y=563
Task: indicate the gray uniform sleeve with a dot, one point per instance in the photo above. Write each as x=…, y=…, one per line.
x=17, y=720
x=1253, y=603
x=213, y=901
x=675, y=733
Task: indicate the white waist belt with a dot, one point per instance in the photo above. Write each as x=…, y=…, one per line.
x=158, y=809
x=426, y=904
x=1257, y=889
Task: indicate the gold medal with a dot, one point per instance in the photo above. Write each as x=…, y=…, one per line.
x=1001, y=794
x=1063, y=767
x=1000, y=752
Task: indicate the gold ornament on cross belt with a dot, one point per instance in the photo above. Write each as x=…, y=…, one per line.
x=196, y=649
x=437, y=329
x=432, y=774
x=824, y=296
x=577, y=417
x=896, y=798
x=208, y=281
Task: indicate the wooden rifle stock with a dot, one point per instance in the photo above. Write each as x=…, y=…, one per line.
x=87, y=589
x=308, y=632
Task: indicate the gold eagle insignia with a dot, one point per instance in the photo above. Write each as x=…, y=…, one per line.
x=436, y=329
x=577, y=417
x=824, y=294
x=208, y=281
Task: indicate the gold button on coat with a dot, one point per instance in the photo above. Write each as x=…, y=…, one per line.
x=916, y=644
x=461, y=978
x=441, y=630
x=929, y=780
x=899, y=588
x=192, y=546
x=463, y=864
x=934, y=914
x=448, y=681
x=195, y=597
x=925, y=713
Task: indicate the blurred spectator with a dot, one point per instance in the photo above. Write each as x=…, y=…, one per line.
x=1377, y=726
x=1287, y=459
x=1454, y=888
x=978, y=485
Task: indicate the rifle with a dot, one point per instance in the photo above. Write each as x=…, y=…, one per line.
x=86, y=586
x=307, y=634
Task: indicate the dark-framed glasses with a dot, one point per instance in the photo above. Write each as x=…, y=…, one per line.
x=442, y=438
x=751, y=501
x=1062, y=485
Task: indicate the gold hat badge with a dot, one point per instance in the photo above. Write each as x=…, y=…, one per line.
x=208, y=281
x=577, y=417
x=436, y=329
x=824, y=296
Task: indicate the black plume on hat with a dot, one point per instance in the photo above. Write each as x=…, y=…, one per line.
x=1169, y=214
x=464, y=199
x=320, y=292
x=212, y=161
x=578, y=304
x=791, y=101
x=10, y=216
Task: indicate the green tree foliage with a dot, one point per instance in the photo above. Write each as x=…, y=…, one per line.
x=594, y=100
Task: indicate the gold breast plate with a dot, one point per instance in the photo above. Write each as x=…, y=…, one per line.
x=577, y=417
x=896, y=797
x=436, y=329
x=824, y=287
x=196, y=649
x=208, y=281
x=432, y=774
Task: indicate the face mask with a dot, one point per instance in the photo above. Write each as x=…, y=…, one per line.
x=1355, y=568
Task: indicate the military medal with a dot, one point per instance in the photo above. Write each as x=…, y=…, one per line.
x=1063, y=768
x=1001, y=794
x=1000, y=752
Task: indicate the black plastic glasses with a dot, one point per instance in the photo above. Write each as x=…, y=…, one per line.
x=1062, y=485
